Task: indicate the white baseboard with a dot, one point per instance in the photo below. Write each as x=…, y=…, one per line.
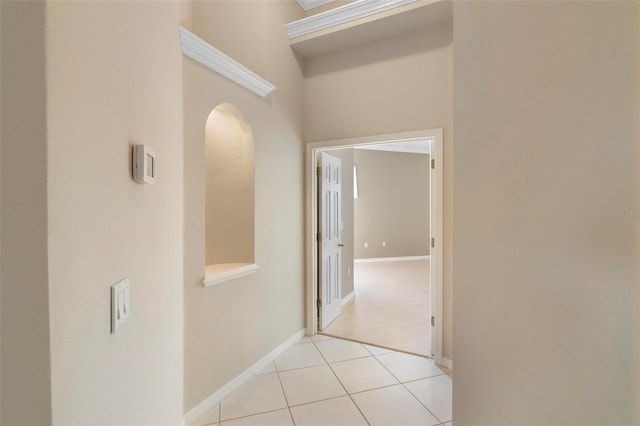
x=390, y=259
x=212, y=400
x=348, y=297
x=446, y=362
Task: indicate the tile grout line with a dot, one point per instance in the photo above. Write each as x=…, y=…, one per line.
x=286, y=400
x=425, y=378
x=254, y=414
x=421, y=403
x=341, y=384
x=388, y=349
x=250, y=415
x=409, y=390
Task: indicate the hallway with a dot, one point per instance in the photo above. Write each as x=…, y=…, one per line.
x=328, y=381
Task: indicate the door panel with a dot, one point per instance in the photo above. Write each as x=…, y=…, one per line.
x=329, y=253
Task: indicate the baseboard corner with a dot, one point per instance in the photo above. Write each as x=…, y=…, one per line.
x=348, y=297
x=448, y=363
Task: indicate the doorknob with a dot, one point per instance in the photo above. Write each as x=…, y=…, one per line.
x=340, y=245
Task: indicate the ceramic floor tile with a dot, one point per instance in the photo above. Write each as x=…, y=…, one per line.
x=209, y=418
x=259, y=394
x=273, y=418
x=391, y=308
x=321, y=337
x=332, y=412
x=341, y=350
x=362, y=374
x=393, y=406
x=376, y=350
x=409, y=367
x=269, y=368
x=299, y=356
x=310, y=384
x=435, y=394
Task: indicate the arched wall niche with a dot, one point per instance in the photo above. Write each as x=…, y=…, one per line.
x=229, y=195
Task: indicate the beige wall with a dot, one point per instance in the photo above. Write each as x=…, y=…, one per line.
x=0, y=212
x=346, y=157
x=397, y=85
x=25, y=362
x=221, y=339
x=546, y=281
x=114, y=75
x=392, y=204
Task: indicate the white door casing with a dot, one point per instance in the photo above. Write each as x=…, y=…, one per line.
x=329, y=245
x=436, y=216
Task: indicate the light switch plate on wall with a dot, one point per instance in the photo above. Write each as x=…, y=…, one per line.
x=119, y=304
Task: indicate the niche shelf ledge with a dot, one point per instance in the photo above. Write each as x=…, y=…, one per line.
x=217, y=274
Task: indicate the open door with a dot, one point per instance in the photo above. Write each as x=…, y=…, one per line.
x=329, y=245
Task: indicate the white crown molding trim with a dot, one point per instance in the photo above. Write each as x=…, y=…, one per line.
x=348, y=297
x=340, y=15
x=390, y=259
x=310, y=4
x=215, y=398
x=201, y=51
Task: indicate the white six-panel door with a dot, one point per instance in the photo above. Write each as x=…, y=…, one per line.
x=329, y=245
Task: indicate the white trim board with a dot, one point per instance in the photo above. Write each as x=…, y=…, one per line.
x=215, y=398
x=310, y=4
x=448, y=363
x=390, y=259
x=341, y=15
x=348, y=297
x=201, y=51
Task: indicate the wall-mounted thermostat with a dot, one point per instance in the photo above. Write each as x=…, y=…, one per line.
x=144, y=164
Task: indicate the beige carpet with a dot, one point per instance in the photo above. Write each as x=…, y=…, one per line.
x=391, y=307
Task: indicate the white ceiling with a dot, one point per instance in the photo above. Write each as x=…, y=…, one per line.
x=415, y=146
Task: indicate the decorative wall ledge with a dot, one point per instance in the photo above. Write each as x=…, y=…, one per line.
x=340, y=15
x=216, y=274
x=201, y=51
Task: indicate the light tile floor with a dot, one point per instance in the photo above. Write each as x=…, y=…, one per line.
x=328, y=381
x=391, y=307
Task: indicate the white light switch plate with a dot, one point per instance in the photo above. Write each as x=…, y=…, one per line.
x=119, y=304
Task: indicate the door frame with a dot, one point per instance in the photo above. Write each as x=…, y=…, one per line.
x=311, y=225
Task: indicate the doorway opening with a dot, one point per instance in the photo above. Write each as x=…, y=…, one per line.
x=322, y=273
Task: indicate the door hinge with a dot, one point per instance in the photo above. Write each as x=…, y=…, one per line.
x=433, y=321
x=319, y=236
x=433, y=163
x=433, y=242
x=319, y=171
x=319, y=303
